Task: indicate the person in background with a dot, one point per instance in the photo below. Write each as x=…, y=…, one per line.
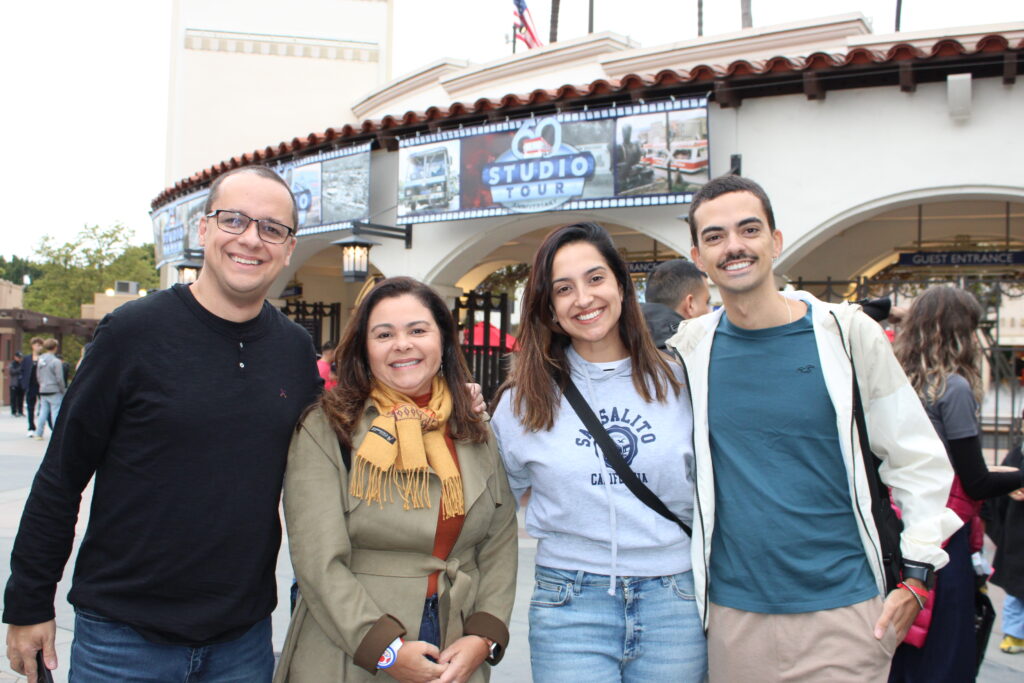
x=30, y=383
x=676, y=290
x=882, y=310
x=50, y=375
x=326, y=366
x=401, y=524
x=614, y=594
x=1005, y=526
x=938, y=348
x=17, y=390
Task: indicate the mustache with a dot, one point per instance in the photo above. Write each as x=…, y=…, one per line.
x=736, y=256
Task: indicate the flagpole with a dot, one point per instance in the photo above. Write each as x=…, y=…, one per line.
x=590, y=25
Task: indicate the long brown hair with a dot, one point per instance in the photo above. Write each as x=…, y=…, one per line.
x=344, y=404
x=541, y=372
x=938, y=340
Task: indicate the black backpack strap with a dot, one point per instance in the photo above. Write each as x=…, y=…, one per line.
x=614, y=457
x=887, y=523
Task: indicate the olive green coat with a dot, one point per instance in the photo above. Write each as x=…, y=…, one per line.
x=357, y=563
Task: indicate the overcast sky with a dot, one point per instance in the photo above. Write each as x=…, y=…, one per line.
x=85, y=84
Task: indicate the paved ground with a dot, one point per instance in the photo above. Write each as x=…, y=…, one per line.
x=19, y=459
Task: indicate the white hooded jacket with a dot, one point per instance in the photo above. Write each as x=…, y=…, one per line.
x=914, y=462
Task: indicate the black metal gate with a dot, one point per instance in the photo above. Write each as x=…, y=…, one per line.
x=311, y=315
x=1001, y=415
x=485, y=345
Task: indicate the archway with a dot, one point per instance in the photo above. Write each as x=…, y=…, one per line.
x=862, y=239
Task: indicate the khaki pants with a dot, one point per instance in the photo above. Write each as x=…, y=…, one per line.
x=831, y=645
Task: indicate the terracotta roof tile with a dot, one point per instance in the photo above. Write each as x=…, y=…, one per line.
x=701, y=75
x=904, y=52
x=741, y=67
x=702, y=72
x=948, y=47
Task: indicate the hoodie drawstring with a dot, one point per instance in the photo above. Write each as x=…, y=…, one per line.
x=611, y=505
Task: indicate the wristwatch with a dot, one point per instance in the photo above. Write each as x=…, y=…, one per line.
x=494, y=650
x=390, y=655
x=922, y=571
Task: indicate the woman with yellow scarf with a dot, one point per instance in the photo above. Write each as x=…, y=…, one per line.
x=400, y=520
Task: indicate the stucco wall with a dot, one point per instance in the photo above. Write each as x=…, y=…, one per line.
x=828, y=165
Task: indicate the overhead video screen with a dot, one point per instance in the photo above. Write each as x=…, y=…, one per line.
x=331, y=189
x=637, y=155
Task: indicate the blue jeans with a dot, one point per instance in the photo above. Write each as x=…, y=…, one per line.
x=49, y=406
x=105, y=650
x=430, y=624
x=1013, y=616
x=648, y=631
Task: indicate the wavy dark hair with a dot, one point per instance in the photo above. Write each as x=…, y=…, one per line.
x=938, y=339
x=344, y=404
x=541, y=372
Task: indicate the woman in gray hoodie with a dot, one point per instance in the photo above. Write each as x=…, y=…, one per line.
x=613, y=598
x=50, y=373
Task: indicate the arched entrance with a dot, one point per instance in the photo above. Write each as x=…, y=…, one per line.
x=899, y=246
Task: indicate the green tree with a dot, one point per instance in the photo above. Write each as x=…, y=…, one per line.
x=72, y=272
x=17, y=268
x=506, y=279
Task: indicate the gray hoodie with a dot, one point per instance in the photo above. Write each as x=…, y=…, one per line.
x=583, y=516
x=50, y=373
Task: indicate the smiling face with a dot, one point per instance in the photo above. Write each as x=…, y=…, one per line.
x=587, y=302
x=403, y=345
x=735, y=245
x=239, y=269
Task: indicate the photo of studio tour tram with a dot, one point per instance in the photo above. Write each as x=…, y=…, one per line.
x=892, y=161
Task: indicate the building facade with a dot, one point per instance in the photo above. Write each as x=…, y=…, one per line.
x=871, y=146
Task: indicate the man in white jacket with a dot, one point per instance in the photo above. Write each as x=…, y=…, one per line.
x=789, y=569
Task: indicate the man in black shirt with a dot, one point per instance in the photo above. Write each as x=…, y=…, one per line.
x=17, y=391
x=676, y=290
x=30, y=383
x=183, y=409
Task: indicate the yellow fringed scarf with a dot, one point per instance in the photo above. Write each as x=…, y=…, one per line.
x=404, y=443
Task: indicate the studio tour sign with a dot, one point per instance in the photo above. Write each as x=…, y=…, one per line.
x=636, y=155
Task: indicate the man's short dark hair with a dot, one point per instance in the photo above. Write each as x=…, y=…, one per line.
x=261, y=171
x=724, y=185
x=671, y=281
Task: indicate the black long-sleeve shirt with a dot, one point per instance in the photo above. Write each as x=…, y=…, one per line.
x=185, y=419
x=978, y=482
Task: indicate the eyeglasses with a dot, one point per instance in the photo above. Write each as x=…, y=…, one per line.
x=236, y=222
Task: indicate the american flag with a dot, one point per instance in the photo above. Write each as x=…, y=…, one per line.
x=522, y=23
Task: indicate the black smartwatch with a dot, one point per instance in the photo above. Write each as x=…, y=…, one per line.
x=493, y=653
x=922, y=571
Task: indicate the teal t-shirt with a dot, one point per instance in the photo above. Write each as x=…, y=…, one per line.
x=785, y=538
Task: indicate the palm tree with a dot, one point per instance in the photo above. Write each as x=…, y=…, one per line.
x=553, y=35
x=747, y=20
